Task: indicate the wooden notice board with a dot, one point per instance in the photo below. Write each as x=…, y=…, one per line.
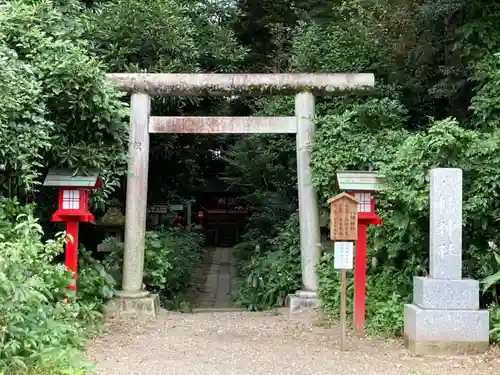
x=343, y=218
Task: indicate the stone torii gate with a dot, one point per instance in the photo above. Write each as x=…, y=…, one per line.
x=142, y=86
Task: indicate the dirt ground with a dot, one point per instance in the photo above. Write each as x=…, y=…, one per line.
x=237, y=343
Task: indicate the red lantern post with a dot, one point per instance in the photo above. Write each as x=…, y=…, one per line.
x=366, y=216
x=72, y=209
x=362, y=186
x=176, y=220
x=200, y=216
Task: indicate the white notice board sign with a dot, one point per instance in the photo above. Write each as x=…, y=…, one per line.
x=343, y=255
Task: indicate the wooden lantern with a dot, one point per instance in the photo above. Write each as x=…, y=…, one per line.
x=72, y=208
x=73, y=194
x=362, y=185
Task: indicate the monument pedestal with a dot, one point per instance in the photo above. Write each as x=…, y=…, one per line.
x=303, y=304
x=451, y=332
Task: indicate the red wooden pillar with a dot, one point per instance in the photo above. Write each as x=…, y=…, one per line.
x=71, y=253
x=360, y=280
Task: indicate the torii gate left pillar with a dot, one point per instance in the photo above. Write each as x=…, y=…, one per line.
x=133, y=297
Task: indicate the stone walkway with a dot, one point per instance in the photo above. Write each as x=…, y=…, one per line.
x=246, y=343
x=221, y=281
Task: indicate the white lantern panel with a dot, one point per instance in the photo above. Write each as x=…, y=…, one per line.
x=364, y=200
x=71, y=200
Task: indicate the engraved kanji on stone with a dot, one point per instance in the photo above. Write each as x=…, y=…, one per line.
x=445, y=223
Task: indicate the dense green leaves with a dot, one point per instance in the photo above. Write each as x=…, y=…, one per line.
x=161, y=36
x=172, y=258
x=144, y=35
x=273, y=270
x=435, y=105
x=60, y=109
x=24, y=130
x=39, y=328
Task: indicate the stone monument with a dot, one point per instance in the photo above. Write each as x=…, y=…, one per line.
x=112, y=224
x=445, y=317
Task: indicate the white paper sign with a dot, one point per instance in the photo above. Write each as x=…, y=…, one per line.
x=343, y=255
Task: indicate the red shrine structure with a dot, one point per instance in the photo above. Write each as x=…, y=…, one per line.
x=362, y=186
x=72, y=208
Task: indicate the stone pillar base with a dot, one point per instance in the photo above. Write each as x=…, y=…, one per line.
x=445, y=332
x=303, y=304
x=428, y=347
x=140, y=303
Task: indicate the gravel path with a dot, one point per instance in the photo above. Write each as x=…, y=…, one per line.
x=235, y=343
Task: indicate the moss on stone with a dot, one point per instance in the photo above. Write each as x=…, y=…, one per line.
x=112, y=218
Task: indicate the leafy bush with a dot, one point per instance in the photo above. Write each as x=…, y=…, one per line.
x=268, y=188
x=172, y=257
x=182, y=36
x=273, y=274
x=40, y=329
x=384, y=304
x=494, y=310
x=396, y=246
x=491, y=284
x=261, y=228
x=59, y=108
x=95, y=286
x=329, y=286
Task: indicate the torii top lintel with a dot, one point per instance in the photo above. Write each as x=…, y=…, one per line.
x=216, y=84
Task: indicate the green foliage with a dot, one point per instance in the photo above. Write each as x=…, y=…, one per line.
x=435, y=105
x=172, y=257
x=273, y=272
x=161, y=36
x=40, y=329
x=404, y=205
x=267, y=186
x=384, y=304
x=170, y=36
x=356, y=143
x=491, y=283
x=494, y=323
x=19, y=88
x=59, y=108
x=485, y=105
x=329, y=290
x=150, y=35
x=95, y=284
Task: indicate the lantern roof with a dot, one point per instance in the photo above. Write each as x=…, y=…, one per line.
x=65, y=177
x=360, y=180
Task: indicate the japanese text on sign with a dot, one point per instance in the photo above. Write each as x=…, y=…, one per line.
x=343, y=255
x=344, y=219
